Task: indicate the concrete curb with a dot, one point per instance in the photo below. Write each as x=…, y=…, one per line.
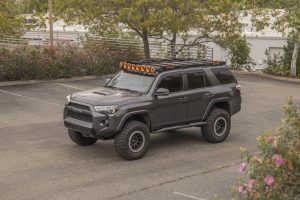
x=13, y=83
x=285, y=79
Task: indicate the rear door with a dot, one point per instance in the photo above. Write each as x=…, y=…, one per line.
x=171, y=109
x=199, y=93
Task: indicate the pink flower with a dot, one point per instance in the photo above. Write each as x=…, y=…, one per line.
x=258, y=159
x=242, y=167
x=269, y=140
x=250, y=184
x=269, y=181
x=278, y=160
x=242, y=189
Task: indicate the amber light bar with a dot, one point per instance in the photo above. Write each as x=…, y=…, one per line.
x=138, y=68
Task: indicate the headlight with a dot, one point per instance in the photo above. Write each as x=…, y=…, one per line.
x=68, y=98
x=107, y=109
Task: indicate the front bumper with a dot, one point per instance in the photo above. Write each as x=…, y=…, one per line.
x=94, y=124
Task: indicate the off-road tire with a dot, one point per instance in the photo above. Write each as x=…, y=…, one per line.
x=79, y=139
x=209, y=132
x=123, y=138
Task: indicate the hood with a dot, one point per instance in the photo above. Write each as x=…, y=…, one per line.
x=104, y=96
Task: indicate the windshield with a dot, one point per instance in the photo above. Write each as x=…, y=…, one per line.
x=133, y=82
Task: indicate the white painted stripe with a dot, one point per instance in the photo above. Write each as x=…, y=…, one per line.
x=187, y=196
x=34, y=99
x=69, y=86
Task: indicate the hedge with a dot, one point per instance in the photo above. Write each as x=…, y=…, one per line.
x=61, y=61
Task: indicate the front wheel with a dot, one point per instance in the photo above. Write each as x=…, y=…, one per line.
x=79, y=139
x=133, y=141
x=217, y=126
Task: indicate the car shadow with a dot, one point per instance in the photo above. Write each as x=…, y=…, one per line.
x=178, y=140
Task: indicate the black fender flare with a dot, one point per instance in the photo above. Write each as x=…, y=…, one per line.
x=130, y=114
x=213, y=102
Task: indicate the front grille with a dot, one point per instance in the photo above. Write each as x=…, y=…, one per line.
x=80, y=116
x=79, y=106
x=79, y=112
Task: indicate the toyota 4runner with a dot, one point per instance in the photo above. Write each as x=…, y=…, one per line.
x=154, y=96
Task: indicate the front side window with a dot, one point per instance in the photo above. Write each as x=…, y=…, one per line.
x=195, y=81
x=172, y=83
x=130, y=81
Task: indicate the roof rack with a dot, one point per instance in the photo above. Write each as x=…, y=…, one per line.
x=166, y=64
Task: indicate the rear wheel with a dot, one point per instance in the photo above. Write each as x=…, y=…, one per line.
x=81, y=140
x=217, y=126
x=133, y=141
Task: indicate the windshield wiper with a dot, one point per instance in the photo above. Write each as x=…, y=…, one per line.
x=129, y=90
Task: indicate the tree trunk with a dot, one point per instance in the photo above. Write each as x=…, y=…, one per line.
x=50, y=5
x=295, y=55
x=146, y=44
x=173, y=46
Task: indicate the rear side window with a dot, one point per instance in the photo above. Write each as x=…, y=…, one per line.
x=196, y=80
x=172, y=83
x=223, y=75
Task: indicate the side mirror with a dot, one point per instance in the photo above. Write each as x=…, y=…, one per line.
x=107, y=80
x=162, y=92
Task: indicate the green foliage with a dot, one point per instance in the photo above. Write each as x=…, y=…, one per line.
x=10, y=21
x=274, y=171
x=281, y=15
x=153, y=18
x=239, y=51
x=31, y=6
x=279, y=65
x=275, y=65
x=287, y=56
x=61, y=61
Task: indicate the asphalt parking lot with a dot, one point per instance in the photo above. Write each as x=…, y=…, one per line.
x=38, y=161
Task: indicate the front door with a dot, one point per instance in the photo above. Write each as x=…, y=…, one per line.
x=171, y=109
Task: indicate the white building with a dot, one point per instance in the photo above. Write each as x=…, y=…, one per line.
x=267, y=39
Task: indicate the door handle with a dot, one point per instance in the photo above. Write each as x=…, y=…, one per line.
x=184, y=99
x=209, y=94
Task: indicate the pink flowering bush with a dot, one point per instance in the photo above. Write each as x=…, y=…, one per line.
x=273, y=173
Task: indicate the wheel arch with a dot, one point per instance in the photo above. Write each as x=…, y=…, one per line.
x=141, y=116
x=218, y=103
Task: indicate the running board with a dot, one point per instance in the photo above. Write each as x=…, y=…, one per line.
x=178, y=127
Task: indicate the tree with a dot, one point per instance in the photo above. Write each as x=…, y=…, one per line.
x=283, y=16
x=104, y=17
x=209, y=20
x=157, y=19
x=11, y=23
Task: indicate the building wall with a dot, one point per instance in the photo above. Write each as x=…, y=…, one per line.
x=258, y=46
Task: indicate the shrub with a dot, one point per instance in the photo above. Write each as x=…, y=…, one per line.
x=275, y=65
x=288, y=55
x=239, y=54
x=281, y=65
x=61, y=61
x=274, y=172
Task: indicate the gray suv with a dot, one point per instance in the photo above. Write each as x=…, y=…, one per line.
x=154, y=96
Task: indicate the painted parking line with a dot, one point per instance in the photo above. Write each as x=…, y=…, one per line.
x=187, y=196
x=31, y=98
x=69, y=86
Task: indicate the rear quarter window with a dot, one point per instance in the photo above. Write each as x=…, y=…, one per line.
x=223, y=75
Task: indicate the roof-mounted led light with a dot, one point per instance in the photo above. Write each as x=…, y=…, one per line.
x=138, y=68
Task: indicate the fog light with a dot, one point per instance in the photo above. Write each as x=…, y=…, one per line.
x=104, y=123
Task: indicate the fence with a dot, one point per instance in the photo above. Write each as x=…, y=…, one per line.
x=157, y=49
